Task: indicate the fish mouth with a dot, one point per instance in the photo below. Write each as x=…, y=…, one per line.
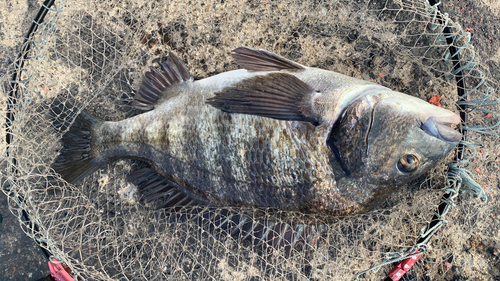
x=439, y=127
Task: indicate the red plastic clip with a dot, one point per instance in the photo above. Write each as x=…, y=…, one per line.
x=397, y=272
x=59, y=271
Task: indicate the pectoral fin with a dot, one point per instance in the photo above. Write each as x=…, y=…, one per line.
x=276, y=95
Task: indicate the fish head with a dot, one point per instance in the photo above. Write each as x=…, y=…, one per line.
x=389, y=138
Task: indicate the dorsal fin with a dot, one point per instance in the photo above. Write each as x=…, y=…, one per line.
x=155, y=83
x=262, y=60
x=168, y=195
x=154, y=187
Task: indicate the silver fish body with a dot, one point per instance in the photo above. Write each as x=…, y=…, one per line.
x=276, y=135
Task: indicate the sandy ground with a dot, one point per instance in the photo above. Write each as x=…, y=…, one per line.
x=20, y=258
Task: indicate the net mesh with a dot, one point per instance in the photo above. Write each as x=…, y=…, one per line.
x=93, y=55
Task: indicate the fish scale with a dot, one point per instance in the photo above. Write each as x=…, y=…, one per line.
x=273, y=135
x=222, y=150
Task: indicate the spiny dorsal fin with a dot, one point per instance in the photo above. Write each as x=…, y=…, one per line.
x=156, y=82
x=244, y=228
x=153, y=187
x=276, y=95
x=262, y=60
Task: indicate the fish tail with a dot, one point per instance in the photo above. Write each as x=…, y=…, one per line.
x=77, y=158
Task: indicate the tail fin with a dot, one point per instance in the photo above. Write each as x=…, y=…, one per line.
x=76, y=159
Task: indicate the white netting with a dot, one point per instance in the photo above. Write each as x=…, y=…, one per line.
x=93, y=54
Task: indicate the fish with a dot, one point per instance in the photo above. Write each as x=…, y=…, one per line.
x=274, y=134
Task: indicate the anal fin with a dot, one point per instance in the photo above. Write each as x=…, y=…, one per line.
x=157, y=81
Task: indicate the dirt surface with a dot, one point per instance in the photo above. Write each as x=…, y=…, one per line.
x=20, y=257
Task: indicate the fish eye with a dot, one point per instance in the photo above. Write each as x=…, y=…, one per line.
x=408, y=163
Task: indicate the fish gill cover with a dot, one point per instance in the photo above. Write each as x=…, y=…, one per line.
x=93, y=55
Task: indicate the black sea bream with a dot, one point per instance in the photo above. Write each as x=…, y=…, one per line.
x=275, y=134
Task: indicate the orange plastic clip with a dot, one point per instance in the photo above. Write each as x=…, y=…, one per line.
x=397, y=272
x=59, y=271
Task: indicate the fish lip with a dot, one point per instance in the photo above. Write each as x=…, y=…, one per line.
x=449, y=120
x=439, y=127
